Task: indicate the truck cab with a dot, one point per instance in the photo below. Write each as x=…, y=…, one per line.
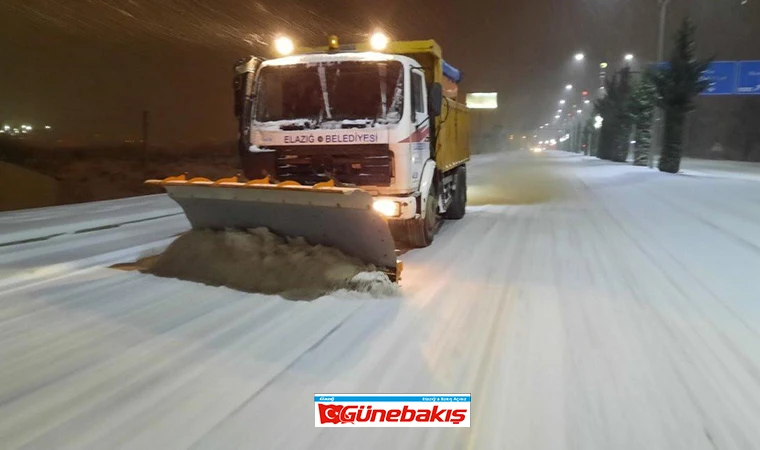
x=382, y=121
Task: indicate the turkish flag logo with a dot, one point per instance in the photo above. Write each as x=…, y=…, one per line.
x=330, y=413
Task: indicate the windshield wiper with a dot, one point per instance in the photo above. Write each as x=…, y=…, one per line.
x=355, y=125
x=292, y=127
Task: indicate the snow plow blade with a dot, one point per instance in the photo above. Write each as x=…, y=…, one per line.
x=342, y=218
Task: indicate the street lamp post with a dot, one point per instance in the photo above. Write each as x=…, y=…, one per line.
x=660, y=56
x=661, y=40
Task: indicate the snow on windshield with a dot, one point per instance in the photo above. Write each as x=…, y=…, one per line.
x=338, y=91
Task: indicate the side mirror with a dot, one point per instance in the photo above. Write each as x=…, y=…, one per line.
x=435, y=99
x=239, y=88
x=245, y=71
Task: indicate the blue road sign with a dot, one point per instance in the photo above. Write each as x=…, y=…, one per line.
x=722, y=78
x=749, y=78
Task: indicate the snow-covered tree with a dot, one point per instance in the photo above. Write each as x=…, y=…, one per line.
x=643, y=102
x=615, y=110
x=677, y=86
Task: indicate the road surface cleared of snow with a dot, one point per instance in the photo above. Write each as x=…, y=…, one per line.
x=585, y=305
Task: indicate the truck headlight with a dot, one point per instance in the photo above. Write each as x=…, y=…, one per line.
x=379, y=42
x=388, y=208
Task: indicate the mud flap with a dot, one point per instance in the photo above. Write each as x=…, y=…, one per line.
x=336, y=217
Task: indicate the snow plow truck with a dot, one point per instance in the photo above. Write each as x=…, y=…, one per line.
x=359, y=147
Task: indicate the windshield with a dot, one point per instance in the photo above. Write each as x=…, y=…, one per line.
x=340, y=91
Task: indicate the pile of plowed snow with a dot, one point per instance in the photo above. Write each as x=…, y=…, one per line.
x=258, y=261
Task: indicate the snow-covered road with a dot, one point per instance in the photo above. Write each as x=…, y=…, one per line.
x=584, y=305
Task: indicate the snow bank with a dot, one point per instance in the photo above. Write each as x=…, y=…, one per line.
x=258, y=261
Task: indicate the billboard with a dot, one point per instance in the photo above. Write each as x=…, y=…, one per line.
x=482, y=100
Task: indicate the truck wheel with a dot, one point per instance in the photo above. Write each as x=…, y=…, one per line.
x=419, y=233
x=457, y=208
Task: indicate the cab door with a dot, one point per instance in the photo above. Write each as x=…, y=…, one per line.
x=420, y=137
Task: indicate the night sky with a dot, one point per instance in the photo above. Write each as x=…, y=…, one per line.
x=89, y=67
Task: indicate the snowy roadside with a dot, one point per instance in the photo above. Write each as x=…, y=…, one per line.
x=692, y=167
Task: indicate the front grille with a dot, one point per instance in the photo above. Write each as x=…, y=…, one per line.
x=361, y=165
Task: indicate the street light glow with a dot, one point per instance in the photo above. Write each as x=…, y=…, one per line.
x=603, y=65
x=579, y=111
x=579, y=56
x=629, y=57
x=556, y=117
x=587, y=101
x=569, y=87
x=562, y=102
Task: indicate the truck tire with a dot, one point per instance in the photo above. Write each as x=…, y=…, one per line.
x=457, y=208
x=419, y=233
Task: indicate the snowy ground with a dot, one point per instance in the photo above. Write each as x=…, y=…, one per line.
x=584, y=305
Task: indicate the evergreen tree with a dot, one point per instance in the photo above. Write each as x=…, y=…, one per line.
x=605, y=107
x=588, y=133
x=677, y=86
x=615, y=110
x=622, y=137
x=578, y=146
x=643, y=101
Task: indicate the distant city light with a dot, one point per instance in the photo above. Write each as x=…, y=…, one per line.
x=6, y=127
x=47, y=127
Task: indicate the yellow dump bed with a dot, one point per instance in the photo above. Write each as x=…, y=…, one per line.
x=453, y=126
